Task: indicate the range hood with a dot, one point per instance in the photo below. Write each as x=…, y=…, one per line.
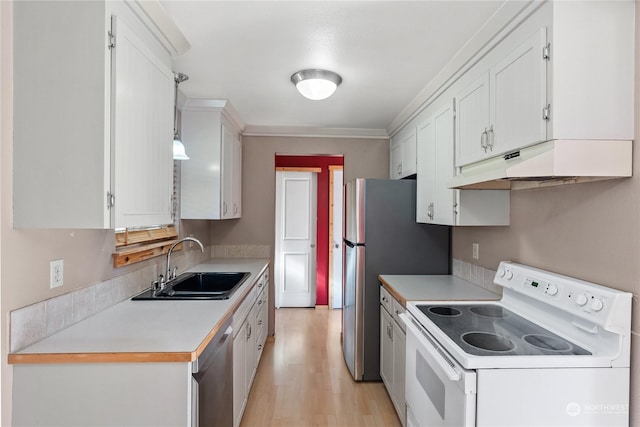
x=549, y=163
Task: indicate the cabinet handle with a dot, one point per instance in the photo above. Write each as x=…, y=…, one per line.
x=259, y=302
x=490, y=138
x=390, y=328
x=483, y=140
x=224, y=208
x=259, y=322
x=260, y=347
x=430, y=211
x=399, y=168
x=248, y=330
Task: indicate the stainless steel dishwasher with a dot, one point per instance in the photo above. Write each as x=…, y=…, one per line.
x=212, y=384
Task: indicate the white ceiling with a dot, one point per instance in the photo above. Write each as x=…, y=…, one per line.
x=385, y=51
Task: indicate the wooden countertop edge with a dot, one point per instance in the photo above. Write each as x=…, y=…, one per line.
x=69, y=358
x=393, y=292
x=131, y=357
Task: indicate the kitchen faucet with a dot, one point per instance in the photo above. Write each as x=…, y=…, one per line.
x=170, y=275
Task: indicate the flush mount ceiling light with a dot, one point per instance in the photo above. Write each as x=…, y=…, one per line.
x=316, y=84
x=178, y=148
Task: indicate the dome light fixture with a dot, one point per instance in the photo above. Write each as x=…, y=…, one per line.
x=316, y=84
x=179, y=152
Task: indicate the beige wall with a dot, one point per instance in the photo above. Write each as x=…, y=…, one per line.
x=363, y=158
x=590, y=231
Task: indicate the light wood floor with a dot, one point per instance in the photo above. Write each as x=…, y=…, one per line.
x=302, y=379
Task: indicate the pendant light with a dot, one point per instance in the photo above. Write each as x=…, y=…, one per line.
x=178, y=148
x=316, y=84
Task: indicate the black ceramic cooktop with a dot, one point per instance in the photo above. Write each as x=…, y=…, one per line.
x=492, y=330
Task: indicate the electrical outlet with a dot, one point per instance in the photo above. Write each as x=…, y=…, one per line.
x=476, y=250
x=56, y=273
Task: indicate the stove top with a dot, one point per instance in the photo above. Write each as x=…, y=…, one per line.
x=492, y=330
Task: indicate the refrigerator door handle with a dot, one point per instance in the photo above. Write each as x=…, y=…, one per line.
x=348, y=243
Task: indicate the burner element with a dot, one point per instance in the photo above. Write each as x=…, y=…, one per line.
x=546, y=342
x=489, y=342
x=489, y=311
x=445, y=311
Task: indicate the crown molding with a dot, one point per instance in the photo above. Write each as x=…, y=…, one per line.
x=314, y=132
x=222, y=106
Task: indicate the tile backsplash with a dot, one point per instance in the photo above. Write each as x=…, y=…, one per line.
x=476, y=274
x=37, y=321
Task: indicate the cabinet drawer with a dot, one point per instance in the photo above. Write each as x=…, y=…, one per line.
x=385, y=299
x=396, y=310
x=243, y=310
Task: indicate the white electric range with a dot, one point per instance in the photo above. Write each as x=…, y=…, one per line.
x=554, y=351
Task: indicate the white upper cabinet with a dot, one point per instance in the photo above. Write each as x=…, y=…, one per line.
x=211, y=178
x=504, y=108
x=435, y=202
x=563, y=73
x=395, y=159
x=92, y=117
x=143, y=123
x=472, y=109
x=403, y=154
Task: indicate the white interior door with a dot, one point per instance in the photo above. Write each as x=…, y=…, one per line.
x=295, y=264
x=335, y=249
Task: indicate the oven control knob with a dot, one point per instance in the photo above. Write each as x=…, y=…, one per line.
x=501, y=272
x=552, y=290
x=509, y=275
x=597, y=305
x=582, y=300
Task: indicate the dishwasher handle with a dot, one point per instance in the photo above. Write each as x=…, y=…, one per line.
x=208, y=355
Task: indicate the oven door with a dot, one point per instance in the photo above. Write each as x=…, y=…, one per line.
x=439, y=392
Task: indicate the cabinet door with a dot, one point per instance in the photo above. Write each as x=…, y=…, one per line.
x=395, y=160
x=426, y=169
x=443, y=201
x=251, y=352
x=239, y=375
x=399, y=342
x=143, y=105
x=472, y=121
x=386, y=349
x=434, y=200
x=518, y=97
x=409, y=153
x=237, y=177
x=227, y=172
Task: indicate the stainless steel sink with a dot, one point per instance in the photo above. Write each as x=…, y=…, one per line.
x=198, y=286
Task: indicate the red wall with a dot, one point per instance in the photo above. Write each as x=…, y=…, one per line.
x=322, y=238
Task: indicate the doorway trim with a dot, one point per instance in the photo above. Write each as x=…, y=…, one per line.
x=332, y=201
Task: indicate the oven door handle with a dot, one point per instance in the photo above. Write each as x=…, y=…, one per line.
x=445, y=364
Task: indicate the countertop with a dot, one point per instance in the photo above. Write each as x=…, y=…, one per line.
x=146, y=331
x=434, y=288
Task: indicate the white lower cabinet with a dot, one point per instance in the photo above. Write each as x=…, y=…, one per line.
x=250, y=325
x=392, y=352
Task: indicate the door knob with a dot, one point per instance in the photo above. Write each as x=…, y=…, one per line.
x=313, y=245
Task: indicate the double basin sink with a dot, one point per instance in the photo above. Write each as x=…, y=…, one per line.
x=197, y=286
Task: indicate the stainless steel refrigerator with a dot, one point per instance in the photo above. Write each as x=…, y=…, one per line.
x=381, y=237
